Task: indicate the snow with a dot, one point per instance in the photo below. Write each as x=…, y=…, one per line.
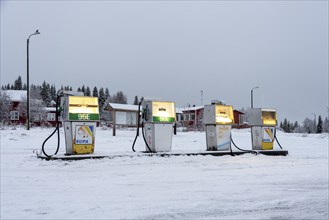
x=126, y=107
x=15, y=95
x=178, y=187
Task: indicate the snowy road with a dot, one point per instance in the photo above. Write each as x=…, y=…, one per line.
x=181, y=187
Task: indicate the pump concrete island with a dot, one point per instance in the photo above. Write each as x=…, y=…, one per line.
x=79, y=116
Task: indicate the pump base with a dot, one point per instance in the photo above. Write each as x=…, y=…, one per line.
x=73, y=157
x=163, y=154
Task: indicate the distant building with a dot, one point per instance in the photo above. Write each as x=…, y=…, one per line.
x=191, y=118
x=122, y=115
x=14, y=109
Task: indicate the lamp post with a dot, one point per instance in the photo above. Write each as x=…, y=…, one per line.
x=252, y=96
x=28, y=81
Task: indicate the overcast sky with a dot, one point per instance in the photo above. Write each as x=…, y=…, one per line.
x=173, y=50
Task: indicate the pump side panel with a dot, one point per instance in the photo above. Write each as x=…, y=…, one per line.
x=256, y=137
x=163, y=137
x=209, y=114
x=68, y=137
x=211, y=137
x=223, y=137
x=149, y=136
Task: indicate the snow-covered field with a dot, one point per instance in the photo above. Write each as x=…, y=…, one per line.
x=180, y=187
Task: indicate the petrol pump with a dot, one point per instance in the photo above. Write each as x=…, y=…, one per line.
x=218, y=119
x=158, y=118
x=80, y=115
x=262, y=122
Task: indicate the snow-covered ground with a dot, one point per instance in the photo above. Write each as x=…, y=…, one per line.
x=181, y=187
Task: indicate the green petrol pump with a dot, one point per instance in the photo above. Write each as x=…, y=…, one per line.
x=158, y=118
x=218, y=120
x=263, y=122
x=80, y=116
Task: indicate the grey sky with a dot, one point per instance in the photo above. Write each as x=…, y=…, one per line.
x=173, y=50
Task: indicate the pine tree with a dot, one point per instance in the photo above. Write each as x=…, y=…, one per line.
x=285, y=125
x=83, y=89
x=107, y=93
x=288, y=127
x=45, y=93
x=95, y=92
x=53, y=94
x=101, y=97
x=319, y=126
x=136, y=100
x=18, y=85
x=87, y=91
x=325, y=125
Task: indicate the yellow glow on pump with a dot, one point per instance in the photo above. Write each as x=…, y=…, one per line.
x=163, y=109
x=82, y=104
x=221, y=118
x=224, y=114
x=269, y=117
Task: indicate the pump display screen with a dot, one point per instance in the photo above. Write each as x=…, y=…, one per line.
x=163, y=111
x=269, y=118
x=224, y=114
x=83, y=108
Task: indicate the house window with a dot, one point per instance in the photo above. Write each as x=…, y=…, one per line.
x=186, y=117
x=51, y=116
x=179, y=117
x=14, y=115
x=192, y=116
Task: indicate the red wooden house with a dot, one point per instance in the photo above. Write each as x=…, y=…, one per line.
x=14, y=109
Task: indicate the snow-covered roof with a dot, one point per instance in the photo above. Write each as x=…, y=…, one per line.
x=123, y=107
x=15, y=95
x=194, y=108
x=179, y=110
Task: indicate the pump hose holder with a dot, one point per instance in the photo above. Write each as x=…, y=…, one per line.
x=56, y=129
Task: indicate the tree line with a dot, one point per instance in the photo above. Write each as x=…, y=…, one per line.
x=48, y=93
x=308, y=126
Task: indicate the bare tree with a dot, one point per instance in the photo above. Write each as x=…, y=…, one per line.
x=5, y=107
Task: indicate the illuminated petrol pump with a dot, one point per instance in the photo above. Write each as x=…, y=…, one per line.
x=262, y=122
x=79, y=117
x=218, y=120
x=158, y=120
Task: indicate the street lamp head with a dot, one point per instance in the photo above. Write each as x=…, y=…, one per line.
x=35, y=33
x=252, y=94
